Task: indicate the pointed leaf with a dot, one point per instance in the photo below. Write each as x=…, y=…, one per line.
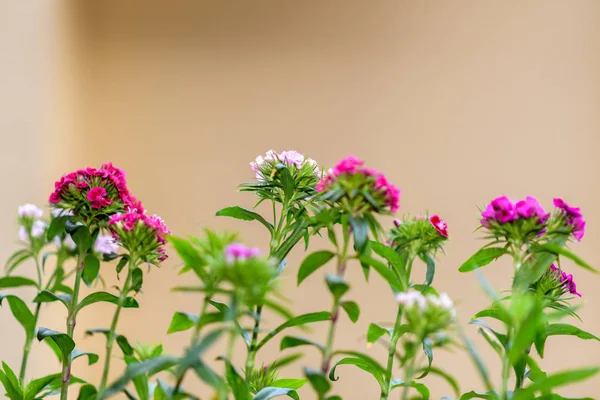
x=92, y=357
x=317, y=380
x=295, y=341
x=313, y=262
x=482, y=258
x=245, y=215
x=337, y=286
x=21, y=312
x=374, y=369
x=91, y=269
x=351, y=309
x=182, y=321
x=46, y=296
x=62, y=340
x=559, y=250
x=106, y=297
x=16, y=281
x=271, y=392
x=299, y=320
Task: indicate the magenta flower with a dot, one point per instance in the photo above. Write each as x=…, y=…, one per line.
x=573, y=218
x=139, y=231
x=376, y=183
x=530, y=208
x=439, y=224
x=566, y=280
x=501, y=210
x=239, y=252
x=97, y=196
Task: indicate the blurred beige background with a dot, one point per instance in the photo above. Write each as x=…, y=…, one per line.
x=457, y=102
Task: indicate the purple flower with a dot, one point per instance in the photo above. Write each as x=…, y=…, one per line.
x=292, y=157
x=501, y=210
x=239, y=252
x=106, y=244
x=30, y=210
x=530, y=208
x=566, y=280
x=573, y=218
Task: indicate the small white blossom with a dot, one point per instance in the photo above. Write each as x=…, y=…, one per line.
x=106, y=244
x=38, y=228
x=30, y=210
x=412, y=298
x=23, y=234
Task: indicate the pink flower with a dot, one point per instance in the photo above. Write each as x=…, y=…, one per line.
x=348, y=165
x=239, y=252
x=106, y=244
x=143, y=227
x=439, y=224
x=292, y=157
x=501, y=210
x=529, y=208
x=566, y=280
x=97, y=196
x=573, y=218
x=30, y=210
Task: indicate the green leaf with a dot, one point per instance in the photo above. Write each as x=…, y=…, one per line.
x=351, y=309
x=313, y=262
x=191, y=257
x=376, y=331
x=559, y=250
x=475, y=395
x=182, y=321
x=37, y=385
x=122, y=341
x=87, y=392
x=90, y=269
x=497, y=312
x=287, y=360
x=360, y=232
x=527, y=331
x=337, y=286
x=482, y=258
x=384, y=271
x=21, y=313
x=365, y=364
x=397, y=261
x=245, y=215
x=566, y=329
x=46, y=296
x=122, y=263
x=16, y=259
x=57, y=226
x=80, y=235
x=16, y=281
x=106, y=297
x=62, y=340
x=419, y=387
x=317, y=380
x=295, y=341
x=271, y=392
x=137, y=279
x=299, y=320
x=430, y=268
x=137, y=369
x=448, y=378
x=555, y=380
x=92, y=357
x=289, y=383
x=12, y=385
x=237, y=384
x=428, y=350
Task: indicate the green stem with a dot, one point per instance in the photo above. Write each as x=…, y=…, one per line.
x=71, y=321
x=195, y=339
x=408, y=377
x=110, y=339
x=251, y=356
x=392, y=353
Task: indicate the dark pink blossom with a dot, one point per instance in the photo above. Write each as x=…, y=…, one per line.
x=566, y=280
x=530, y=208
x=349, y=165
x=501, y=210
x=97, y=196
x=573, y=216
x=439, y=224
x=142, y=226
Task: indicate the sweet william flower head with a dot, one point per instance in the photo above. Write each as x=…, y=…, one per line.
x=140, y=234
x=250, y=274
x=571, y=218
x=428, y=314
x=358, y=190
x=30, y=210
x=288, y=177
x=105, y=244
x=93, y=193
x=422, y=234
x=520, y=221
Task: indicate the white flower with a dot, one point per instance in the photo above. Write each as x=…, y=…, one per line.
x=23, y=234
x=30, y=210
x=292, y=157
x=271, y=155
x=412, y=298
x=106, y=244
x=315, y=166
x=67, y=242
x=38, y=228
x=446, y=301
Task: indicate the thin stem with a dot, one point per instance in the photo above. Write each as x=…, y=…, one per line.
x=71, y=321
x=392, y=353
x=195, y=338
x=110, y=339
x=251, y=356
x=341, y=268
x=410, y=367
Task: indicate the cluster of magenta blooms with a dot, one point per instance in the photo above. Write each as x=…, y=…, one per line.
x=102, y=194
x=504, y=211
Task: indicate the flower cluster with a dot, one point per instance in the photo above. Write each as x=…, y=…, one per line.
x=284, y=177
x=247, y=271
x=94, y=192
x=527, y=218
x=565, y=280
x=572, y=218
x=32, y=228
x=423, y=234
x=359, y=189
x=427, y=314
x=140, y=234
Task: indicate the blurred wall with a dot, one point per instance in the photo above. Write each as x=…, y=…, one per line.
x=457, y=102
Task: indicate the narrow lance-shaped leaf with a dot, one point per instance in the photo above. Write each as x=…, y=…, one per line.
x=313, y=262
x=21, y=312
x=106, y=297
x=482, y=258
x=271, y=392
x=351, y=309
x=62, y=340
x=299, y=320
x=245, y=215
x=373, y=369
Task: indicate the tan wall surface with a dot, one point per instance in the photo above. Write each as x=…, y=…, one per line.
x=457, y=102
